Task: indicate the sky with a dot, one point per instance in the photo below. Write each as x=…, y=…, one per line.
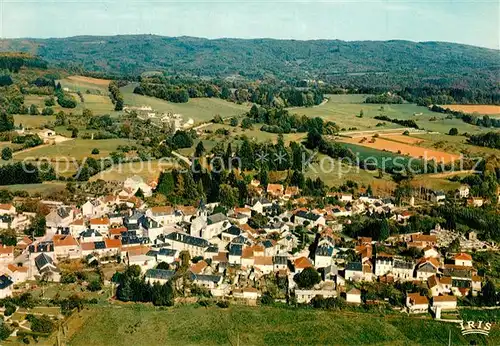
x=475, y=22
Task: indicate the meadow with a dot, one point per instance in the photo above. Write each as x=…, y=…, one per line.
x=148, y=170
x=193, y=325
x=198, y=109
x=344, y=110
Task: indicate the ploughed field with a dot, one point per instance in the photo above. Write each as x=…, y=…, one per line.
x=480, y=109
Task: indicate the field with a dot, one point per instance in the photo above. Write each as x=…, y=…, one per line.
x=480, y=109
x=344, y=110
x=44, y=189
x=198, y=109
x=98, y=104
x=82, y=84
x=146, y=169
x=191, y=325
x=76, y=149
x=402, y=139
x=402, y=148
x=33, y=121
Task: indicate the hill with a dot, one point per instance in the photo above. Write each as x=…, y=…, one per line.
x=385, y=62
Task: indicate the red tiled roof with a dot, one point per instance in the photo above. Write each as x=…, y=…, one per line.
x=112, y=243
x=302, y=263
x=87, y=246
x=463, y=257
x=64, y=240
x=445, y=299
x=100, y=221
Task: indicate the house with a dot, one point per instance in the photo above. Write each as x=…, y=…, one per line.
x=430, y=251
x=165, y=215
x=46, y=267
x=402, y=269
x=422, y=241
x=6, y=221
x=445, y=302
x=323, y=256
x=280, y=262
x=437, y=196
x=166, y=255
x=158, y=275
x=354, y=271
x=24, y=243
x=259, y=205
x=417, y=303
x=264, y=264
x=5, y=286
x=207, y=281
x=305, y=296
x=199, y=267
x=301, y=263
x=152, y=228
x=439, y=286
x=235, y=253
x=231, y=233
x=216, y=224
x=6, y=254
x=353, y=296
x=275, y=190
x=383, y=264
x=427, y=267
x=194, y=245
x=463, y=191
x=463, y=259
x=101, y=224
x=18, y=273
x=346, y=198
x=291, y=192
x=475, y=202
x=7, y=209
x=66, y=246
x=61, y=216
x=309, y=219
x=77, y=227
x=90, y=235
x=94, y=208
x=135, y=183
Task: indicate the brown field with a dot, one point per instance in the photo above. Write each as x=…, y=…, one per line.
x=403, y=149
x=90, y=80
x=481, y=109
x=403, y=139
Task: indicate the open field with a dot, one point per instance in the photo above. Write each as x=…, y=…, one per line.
x=402, y=139
x=480, y=109
x=403, y=149
x=82, y=84
x=45, y=188
x=198, y=109
x=344, y=111
x=98, y=104
x=89, y=80
x=76, y=149
x=191, y=325
x=33, y=121
x=454, y=144
x=148, y=170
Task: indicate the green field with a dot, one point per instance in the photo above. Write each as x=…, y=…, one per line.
x=240, y=325
x=75, y=149
x=344, y=110
x=144, y=169
x=98, y=104
x=33, y=121
x=44, y=189
x=198, y=109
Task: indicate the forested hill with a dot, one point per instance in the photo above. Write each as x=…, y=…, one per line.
x=445, y=63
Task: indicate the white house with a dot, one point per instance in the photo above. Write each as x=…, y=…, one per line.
x=101, y=224
x=94, y=208
x=463, y=259
x=305, y=296
x=383, y=264
x=444, y=302
x=5, y=286
x=353, y=296
x=7, y=209
x=135, y=183
x=463, y=191
x=417, y=303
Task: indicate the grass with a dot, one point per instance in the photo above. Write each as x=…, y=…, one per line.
x=146, y=169
x=454, y=144
x=344, y=110
x=76, y=149
x=44, y=189
x=198, y=109
x=191, y=325
x=33, y=121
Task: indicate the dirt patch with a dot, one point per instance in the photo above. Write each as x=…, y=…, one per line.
x=481, y=109
x=403, y=139
x=90, y=80
x=402, y=148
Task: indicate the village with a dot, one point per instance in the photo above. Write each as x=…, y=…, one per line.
x=304, y=250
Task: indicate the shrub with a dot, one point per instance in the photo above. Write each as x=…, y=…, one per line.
x=95, y=151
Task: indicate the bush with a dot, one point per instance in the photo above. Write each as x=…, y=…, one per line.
x=95, y=151
x=94, y=286
x=453, y=131
x=223, y=304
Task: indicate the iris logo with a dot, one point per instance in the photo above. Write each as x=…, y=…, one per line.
x=472, y=327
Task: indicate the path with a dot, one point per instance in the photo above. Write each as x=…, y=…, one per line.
x=182, y=158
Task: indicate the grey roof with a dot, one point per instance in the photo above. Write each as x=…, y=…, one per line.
x=42, y=260
x=267, y=244
x=215, y=218
x=308, y=216
x=233, y=230
x=402, y=264
x=235, y=250
x=167, y=252
x=187, y=239
x=324, y=250
x=63, y=212
x=354, y=266
x=212, y=249
x=89, y=233
x=212, y=278
x=281, y=260
x=45, y=246
x=159, y=274
x=148, y=222
x=5, y=282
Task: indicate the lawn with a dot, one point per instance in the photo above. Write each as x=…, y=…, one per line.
x=76, y=149
x=198, y=109
x=146, y=169
x=44, y=189
x=345, y=109
x=33, y=121
x=191, y=325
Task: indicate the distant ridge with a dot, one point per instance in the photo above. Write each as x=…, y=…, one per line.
x=447, y=63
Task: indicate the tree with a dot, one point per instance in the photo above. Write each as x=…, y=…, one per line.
x=6, y=121
x=234, y=121
x=228, y=196
x=34, y=110
x=139, y=193
x=95, y=151
x=94, y=286
x=200, y=149
x=307, y=278
x=185, y=259
x=6, y=153
x=453, y=131
x=454, y=246
x=384, y=230
x=163, y=265
x=5, y=331
x=74, y=132
x=361, y=113
x=217, y=119
x=488, y=293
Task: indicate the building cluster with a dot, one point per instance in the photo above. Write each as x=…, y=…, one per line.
x=232, y=259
